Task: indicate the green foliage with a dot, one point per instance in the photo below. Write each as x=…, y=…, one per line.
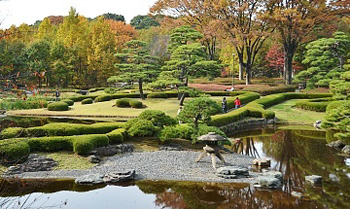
x=19, y=104
x=103, y=98
x=9, y=133
x=51, y=144
x=205, y=129
x=58, y=106
x=123, y=102
x=144, y=22
x=82, y=97
x=341, y=88
x=245, y=98
x=333, y=105
x=183, y=131
x=199, y=109
x=82, y=145
x=13, y=151
x=68, y=101
x=117, y=136
x=135, y=103
x=157, y=117
x=317, y=105
x=157, y=95
x=87, y=101
x=141, y=128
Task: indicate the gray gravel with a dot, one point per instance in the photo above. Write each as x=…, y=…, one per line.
x=159, y=165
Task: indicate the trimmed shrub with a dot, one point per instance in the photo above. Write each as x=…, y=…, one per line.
x=13, y=151
x=117, y=136
x=58, y=106
x=9, y=133
x=185, y=131
x=334, y=105
x=103, y=98
x=82, y=97
x=267, y=90
x=157, y=95
x=82, y=145
x=123, y=102
x=142, y=128
x=169, y=132
x=87, y=101
x=157, y=117
x=51, y=144
x=126, y=95
x=135, y=104
x=68, y=101
x=317, y=105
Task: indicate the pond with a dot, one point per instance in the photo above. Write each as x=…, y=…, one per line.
x=293, y=151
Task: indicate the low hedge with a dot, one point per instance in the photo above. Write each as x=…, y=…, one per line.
x=82, y=145
x=68, y=101
x=317, y=105
x=157, y=95
x=117, y=136
x=126, y=102
x=270, y=90
x=103, y=98
x=135, y=104
x=58, y=106
x=82, y=97
x=13, y=151
x=334, y=105
x=60, y=129
x=87, y=101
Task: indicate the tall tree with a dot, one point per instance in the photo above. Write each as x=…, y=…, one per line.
x=135, y=64
x=295, y=20
x=111, y=16
x=122, y=33
x=144, y=22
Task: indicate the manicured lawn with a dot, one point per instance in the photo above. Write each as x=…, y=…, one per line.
x=285, y=112
x=169, y=106
x=69, y=160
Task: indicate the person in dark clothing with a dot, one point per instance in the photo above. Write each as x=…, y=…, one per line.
x=57, y=94
x=224, y=105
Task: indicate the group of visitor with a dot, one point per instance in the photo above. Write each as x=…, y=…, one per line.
x=224, y=104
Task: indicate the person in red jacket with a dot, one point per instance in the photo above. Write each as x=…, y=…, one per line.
x=237, y=103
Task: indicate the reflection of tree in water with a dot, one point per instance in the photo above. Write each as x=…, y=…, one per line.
x=245, y=146
x=182, y=195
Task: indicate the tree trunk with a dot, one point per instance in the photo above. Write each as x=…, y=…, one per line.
x=140, y=88
x=285, y=67
x=289, y=68
x=183, y=96
x=186, y=81
x=39, y=78
x=248, y=74
x=240, y=72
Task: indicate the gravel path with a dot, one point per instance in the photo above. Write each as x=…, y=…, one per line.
x=159, y=165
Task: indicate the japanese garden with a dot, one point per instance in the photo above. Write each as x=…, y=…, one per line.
x=193, y=104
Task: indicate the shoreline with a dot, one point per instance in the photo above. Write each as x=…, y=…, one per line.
x=158, y=165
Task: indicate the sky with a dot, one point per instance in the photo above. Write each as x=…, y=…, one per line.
x=28, y=11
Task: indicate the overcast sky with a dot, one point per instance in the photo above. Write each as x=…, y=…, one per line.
x=28, y=11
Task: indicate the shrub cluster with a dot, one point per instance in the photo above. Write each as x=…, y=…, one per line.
x=82, y=97
x=58, y=106
x=157, y=95
x=19, y=104
x=13, y=151
x=267, y=90
x=60, y=129
x=125, y=102
x=117, y=136
x=68, y=101
x=87, y=101
x=157, y=117
x=317, y=105
x=141, y=128
x=103, y=98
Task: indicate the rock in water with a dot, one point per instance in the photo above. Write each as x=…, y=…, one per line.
x=232, y=172
x=274, y=174
x=314, y=179
x=269, y=182
x=90, y=179
x=118, y=177
x=336, y=144
x=346, y=150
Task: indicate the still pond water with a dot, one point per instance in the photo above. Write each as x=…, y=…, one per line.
x=294, y=152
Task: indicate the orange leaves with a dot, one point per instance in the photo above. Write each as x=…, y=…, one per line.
x=122, y=32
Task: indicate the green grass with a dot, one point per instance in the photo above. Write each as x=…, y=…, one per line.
x=169, y=106
x=287, y=113
x=69, y=160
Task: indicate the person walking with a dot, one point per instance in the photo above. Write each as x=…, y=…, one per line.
x=224, y=105
x=237, y=103
x=178, y=113
x=57, y=94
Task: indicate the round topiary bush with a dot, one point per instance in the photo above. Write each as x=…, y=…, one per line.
x=142, y=128
x=103, y=98
x=87, y=101
x=13, y=151
x=68, y=101
x=123, y=102
x=157, y=95
x=58, y=106
x=135, y=104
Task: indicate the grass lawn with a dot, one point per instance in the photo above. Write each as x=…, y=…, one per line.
x=69, y=160
x=169, y=106
x=286, y=112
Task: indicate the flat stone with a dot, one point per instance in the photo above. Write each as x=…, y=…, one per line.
x=262, y=161
x=232, y=170
x=94, y=158
x=274, y=174
x=336, y=144
x=269, y=182
x=90, y=179
x=33, y=163
x=171, y=147
x=112, y=150
x=297, y=194
x=118, y=177
x=314, y=179
x=346, y=150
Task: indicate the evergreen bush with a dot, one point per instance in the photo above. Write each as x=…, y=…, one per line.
x=58, y=106
x=103, y=98
x=68, y=101
x=87, y=101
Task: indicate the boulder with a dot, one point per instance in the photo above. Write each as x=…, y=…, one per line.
x=94, y=158
x=336, y=144
x=274, y=174
x=232, y=172
x=297, y=194
x=90, y=179
x=262, y=162
x=269, y=182
x=112, y=150
x=346, y=150
x=171, y=147
x=314, y=179
x=118, y=177
x=33, y=163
